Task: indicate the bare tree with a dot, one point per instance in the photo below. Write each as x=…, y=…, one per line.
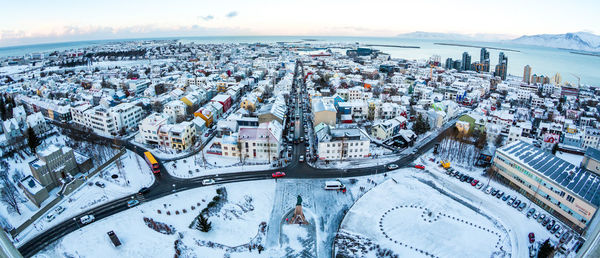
x=9, y=193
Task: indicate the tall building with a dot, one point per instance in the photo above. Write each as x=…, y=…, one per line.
x=466, y=62
x=527, y=74
x=449, y=63
x=557, y=79
x=484, y=58
x=502, y=66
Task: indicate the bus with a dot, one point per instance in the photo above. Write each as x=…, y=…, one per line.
x=151, y=162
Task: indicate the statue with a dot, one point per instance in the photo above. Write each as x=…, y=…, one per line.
x=298, y=217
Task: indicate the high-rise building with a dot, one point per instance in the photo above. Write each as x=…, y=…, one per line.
x=466, y=62
x=484, y=58
x=557, y=79
x=449, y=63
x=502, y=66
x=527, y=74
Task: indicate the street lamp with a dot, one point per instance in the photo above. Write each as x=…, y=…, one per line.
x=75, y=220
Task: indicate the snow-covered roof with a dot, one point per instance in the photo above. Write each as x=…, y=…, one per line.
x=583, y=183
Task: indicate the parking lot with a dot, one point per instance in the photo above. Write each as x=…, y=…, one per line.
x=494, y=195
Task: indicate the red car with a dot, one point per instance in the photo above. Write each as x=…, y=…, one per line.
x=420, y=166
x=531, y=237
x=278, y=174
x=474, y=183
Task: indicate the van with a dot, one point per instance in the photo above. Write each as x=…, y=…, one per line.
x=334, y=185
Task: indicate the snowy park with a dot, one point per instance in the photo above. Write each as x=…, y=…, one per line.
x=237, y=222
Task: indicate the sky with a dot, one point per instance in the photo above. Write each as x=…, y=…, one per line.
x=40, y=21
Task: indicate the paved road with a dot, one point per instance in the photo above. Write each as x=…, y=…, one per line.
x=163, y=184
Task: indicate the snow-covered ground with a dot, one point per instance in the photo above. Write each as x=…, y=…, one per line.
x=202, y=164
x=236, y=224
x=449, y=202
x=571, y=158
x=133, y=176
x=357, y=163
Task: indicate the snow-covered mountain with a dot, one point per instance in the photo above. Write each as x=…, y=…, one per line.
x=578, y=41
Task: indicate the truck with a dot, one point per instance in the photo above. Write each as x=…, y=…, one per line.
x=445, y=164
x=113, y=238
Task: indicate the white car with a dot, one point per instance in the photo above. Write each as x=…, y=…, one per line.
x=301, y=159
x=87, y=219
x=59, y=210
x=208, y=181
x=392, y=166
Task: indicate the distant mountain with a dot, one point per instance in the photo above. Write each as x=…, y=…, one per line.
x=584, y=41
x=454, y=36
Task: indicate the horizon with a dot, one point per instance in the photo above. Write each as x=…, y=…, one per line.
x=67, y=21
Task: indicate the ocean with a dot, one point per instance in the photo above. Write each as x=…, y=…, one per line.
x=543, y=60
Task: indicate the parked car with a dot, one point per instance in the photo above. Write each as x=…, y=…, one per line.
x=474, y=183
x=59, y=209
x=132, y=203
x=532, y=251
x=100, y=184
x=565, y=236
x=419, y=166
x=545, y=221
x=541, y=218
x=479, y=185
x=50, y=217
x=550, y=225
x=392, y=166
x=499, y=195
x=463, y=178
x=530, y=212
x=488, y=189
x=522, y=206
x=494, y=191
x=531, y=237
x=511, y=201
x=278, y=174
x=555, y=228
x=469, y=180
x=536, y=215
x=516, y=203
x=504, y=198
x=87, y=219
x=208, y=181
x=457, y=175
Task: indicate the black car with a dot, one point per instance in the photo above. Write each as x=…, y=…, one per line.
x=143, y=190
x=506, y=197
x=499, y=195
x=469, y=180
x=464, y=178
x=494, y=191
x=550, y=225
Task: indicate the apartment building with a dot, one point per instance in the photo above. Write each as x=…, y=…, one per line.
x=566, y=191
x=262, y=142
x=341, y=143
x=107, y=121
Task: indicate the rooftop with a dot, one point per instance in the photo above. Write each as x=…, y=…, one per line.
x=577, y=180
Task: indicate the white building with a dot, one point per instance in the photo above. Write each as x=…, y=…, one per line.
x=262, y=142
x=341, y=143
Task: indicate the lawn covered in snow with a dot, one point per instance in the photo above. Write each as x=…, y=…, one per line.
x=382, y=220
x=235, y=224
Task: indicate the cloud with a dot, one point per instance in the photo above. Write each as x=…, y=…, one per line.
x=231, y=14
x=206, y=18
x=79, y=33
